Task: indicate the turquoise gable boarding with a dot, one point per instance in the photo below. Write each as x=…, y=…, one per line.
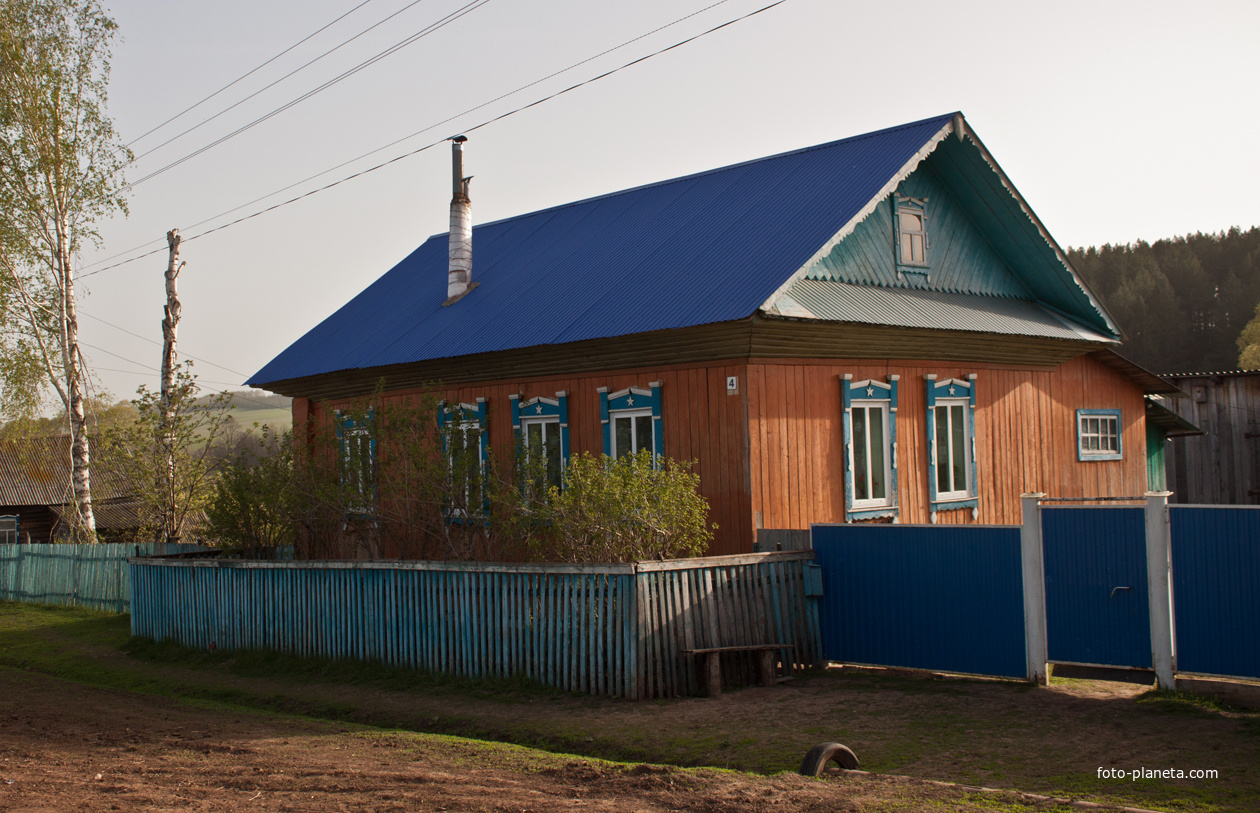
x=959, y=258
x=632, y=398
x=952, y=388
x=857, y=393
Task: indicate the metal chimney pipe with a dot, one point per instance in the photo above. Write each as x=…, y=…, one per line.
x=459, y=268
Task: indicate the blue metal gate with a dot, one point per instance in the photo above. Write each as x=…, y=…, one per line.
x=1216, y=581
x=1097, y=611
x=947, y=598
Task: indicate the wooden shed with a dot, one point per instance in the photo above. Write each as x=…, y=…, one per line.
x=874, y=329
x=1222, y=464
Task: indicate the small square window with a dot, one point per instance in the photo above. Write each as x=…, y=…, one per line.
x=1098, y=434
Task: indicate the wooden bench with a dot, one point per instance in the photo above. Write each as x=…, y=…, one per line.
x=713, y=662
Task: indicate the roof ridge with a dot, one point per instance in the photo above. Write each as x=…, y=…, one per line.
x=704, y=173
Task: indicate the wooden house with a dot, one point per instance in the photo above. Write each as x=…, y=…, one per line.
x=36, y=499
x=873, y=329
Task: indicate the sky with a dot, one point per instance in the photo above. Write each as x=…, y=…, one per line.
x=1117, y=121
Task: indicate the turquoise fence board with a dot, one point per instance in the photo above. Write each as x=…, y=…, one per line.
x=616, y=630
x=94, y=576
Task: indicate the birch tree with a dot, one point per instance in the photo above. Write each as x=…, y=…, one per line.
x=61, y=165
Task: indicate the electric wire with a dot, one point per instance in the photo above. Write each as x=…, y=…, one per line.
x=466, y=9
x=155, y=341
x=250, y=73
x=398, y=141
x=429, y=146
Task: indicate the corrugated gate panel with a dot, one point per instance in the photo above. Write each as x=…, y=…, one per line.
x=947, y=598
x=1096, y=595
x=1216, y=581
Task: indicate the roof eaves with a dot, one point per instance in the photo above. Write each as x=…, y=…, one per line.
x=910, y=166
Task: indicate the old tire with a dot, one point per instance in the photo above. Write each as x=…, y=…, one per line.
x=816, y=760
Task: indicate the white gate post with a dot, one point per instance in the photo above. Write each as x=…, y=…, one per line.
x=1034, y=589
x=1159, y=585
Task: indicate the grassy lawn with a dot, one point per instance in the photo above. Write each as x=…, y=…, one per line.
x=996, y=734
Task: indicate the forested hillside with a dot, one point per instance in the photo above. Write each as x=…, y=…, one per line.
x=1181, y=302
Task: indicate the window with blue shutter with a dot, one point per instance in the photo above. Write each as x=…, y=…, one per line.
x=870, y=447
x=631, y=420
x=951, y=437
x=466, y=445
x=542, y=429
x=358, y=460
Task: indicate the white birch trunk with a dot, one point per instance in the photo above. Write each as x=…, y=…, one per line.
x=80, y=448
x=169, y=325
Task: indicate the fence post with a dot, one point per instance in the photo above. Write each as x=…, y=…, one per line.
x=1034, y=588
x=1159, y=585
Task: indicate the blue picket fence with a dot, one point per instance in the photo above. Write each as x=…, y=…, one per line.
x=1216, y=584
x=95, y=575
x=938, y=597
x=616, y=630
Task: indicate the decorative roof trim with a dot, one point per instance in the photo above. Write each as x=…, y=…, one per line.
x=888, y=188
x=1036, y=221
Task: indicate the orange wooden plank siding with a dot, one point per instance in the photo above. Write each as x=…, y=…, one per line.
x=699, y=420
x=1025, y=437
x=771, y=455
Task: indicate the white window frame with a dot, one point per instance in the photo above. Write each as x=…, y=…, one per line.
x=918, y=208
x=969, y=434
x=545, y=422
x=614, y=414
x=885, y=408
x=465, y=425
x=1112, y=416
x=361, y=478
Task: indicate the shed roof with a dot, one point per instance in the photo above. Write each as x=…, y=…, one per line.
x=36, y=471
x=706, y=248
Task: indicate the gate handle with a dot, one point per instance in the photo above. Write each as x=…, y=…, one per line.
x=1114, y=589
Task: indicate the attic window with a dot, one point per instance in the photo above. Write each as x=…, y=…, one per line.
x=911, y=228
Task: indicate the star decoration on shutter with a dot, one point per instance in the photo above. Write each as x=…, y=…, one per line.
x=951, y=389
x=870, y=392
x=539, y=409
x=629, y=400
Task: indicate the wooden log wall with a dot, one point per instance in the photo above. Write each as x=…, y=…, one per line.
x=702, y=421
x=91, y=575
x=1025, y=437
x=1222, y=466
x=614, y=630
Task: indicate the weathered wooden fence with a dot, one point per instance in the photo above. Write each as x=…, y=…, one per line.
x=616, y=630
x=95, y=576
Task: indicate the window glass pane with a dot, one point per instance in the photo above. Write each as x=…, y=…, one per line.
x=958, y=447
x=553, y=453
x=861, y=467
x=643, y=432
x=876, y=415
x=622, y=431
x=907, y=253
x=916, y=248
x=910, y=222
x=533, y=438
x=942, y=450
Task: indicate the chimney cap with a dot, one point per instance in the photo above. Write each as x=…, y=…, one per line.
x=459, y=139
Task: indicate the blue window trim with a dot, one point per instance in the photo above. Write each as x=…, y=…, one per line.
x=1084, y=456
x=858, y=393
x=543, y=407
x=468, y=413
x=919, y=207
x=948, y=389
x=345, y=425
x=623, y=400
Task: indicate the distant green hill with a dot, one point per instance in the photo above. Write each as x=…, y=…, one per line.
x=258, y=407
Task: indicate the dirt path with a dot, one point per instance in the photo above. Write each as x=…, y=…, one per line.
x=65, y=746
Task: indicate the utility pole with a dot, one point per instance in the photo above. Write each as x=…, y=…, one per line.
x=169, y=325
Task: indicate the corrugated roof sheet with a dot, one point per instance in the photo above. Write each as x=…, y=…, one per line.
x=940, y=310
x=706, y=248
x=36, y=471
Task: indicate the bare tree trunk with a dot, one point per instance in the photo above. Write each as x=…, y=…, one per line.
x=80, y=450
x=169, y=325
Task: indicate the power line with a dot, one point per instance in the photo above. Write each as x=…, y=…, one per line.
x=254, y=71
x=395, y=142
x=154, y=341
x=470, y=7
x=429, y=146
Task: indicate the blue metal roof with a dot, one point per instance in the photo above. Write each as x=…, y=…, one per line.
x=706, y=248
